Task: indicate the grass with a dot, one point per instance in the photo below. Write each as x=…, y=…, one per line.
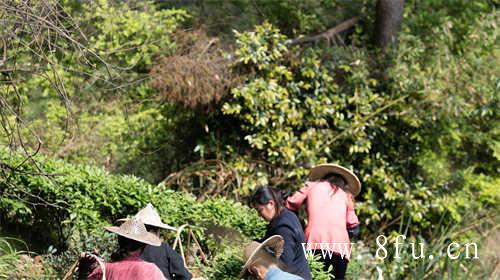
x=18, y=264
x=9, y=257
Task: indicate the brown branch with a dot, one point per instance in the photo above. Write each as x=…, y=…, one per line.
x=327, y=35
x=58, y=29
x=42, y=202
x=202, y=254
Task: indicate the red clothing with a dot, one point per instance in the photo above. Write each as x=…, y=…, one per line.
x=329, y=213
x=130, y=268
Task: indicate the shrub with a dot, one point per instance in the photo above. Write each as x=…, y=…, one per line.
x=79, y=198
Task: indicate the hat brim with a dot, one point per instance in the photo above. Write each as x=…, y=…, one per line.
x=160, y=225
x=147, y=238
x=353, y=183
x=276, y=242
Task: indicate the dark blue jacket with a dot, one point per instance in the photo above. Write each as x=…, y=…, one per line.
x=288, y=226
x=169, y=262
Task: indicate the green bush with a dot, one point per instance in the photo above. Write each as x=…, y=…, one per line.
x=317, y=268
x=226, y=265
x=81, y=198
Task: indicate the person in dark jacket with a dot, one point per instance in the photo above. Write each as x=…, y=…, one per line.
x=167, y=259
x=270, y=204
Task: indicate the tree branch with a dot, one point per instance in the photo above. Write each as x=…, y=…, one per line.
x=327, y=35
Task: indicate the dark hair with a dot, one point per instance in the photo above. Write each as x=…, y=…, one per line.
x=265, y=194
x=151, y=228
x=335, y=179
x=125, y=245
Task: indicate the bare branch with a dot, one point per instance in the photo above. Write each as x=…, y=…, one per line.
x=327, y=35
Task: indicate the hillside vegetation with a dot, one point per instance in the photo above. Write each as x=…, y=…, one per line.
x=108, y=105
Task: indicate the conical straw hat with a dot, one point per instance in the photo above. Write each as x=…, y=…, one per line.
x=134, y=229
x=149, y=216
x=353, y=183
x=273, y=245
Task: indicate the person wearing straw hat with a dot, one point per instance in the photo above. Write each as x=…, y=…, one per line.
x=262, y=260
x=126, y=262
x=167, y=259
x=329, y=198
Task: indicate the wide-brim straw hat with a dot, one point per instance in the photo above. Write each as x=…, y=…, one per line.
x=149, y=216
x=353, y=183
x=273, y=246
x=136, y=230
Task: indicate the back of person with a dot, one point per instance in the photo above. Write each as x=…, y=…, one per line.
x=169, y=262
x=329, y=198
x=327, y=214
x=288, y=225
x=126, y=263
x=129, y=268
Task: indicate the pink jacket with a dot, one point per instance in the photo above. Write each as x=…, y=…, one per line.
x=131, y=267
x=329, y=216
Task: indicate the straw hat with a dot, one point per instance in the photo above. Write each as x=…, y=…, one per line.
x=134, y=229
x=149, y=216
x=353, y=184
x=273, y=245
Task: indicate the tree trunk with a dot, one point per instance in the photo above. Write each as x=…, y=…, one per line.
x=389, y=14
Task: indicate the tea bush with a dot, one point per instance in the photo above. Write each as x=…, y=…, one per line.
x=80, y=198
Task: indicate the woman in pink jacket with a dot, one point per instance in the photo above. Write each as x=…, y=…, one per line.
x=328, y=196
x=126, y=262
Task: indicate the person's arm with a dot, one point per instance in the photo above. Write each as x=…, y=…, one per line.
x=351, y=218
x=353, y=231
x=294, y=202
x=176, y=266
x=88, y=267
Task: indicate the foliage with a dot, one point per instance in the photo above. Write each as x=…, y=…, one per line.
x=196, y=76
x=226, y=265
x=417, y=122
x=59, y=261
x=292, y=17
x=317, y=268
x=297, y=112
x=421, y=133
x=441, y=264
x=83, y=198
x=110, y=115
x=8, y=258
x=133, y=36
x=16, y=264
